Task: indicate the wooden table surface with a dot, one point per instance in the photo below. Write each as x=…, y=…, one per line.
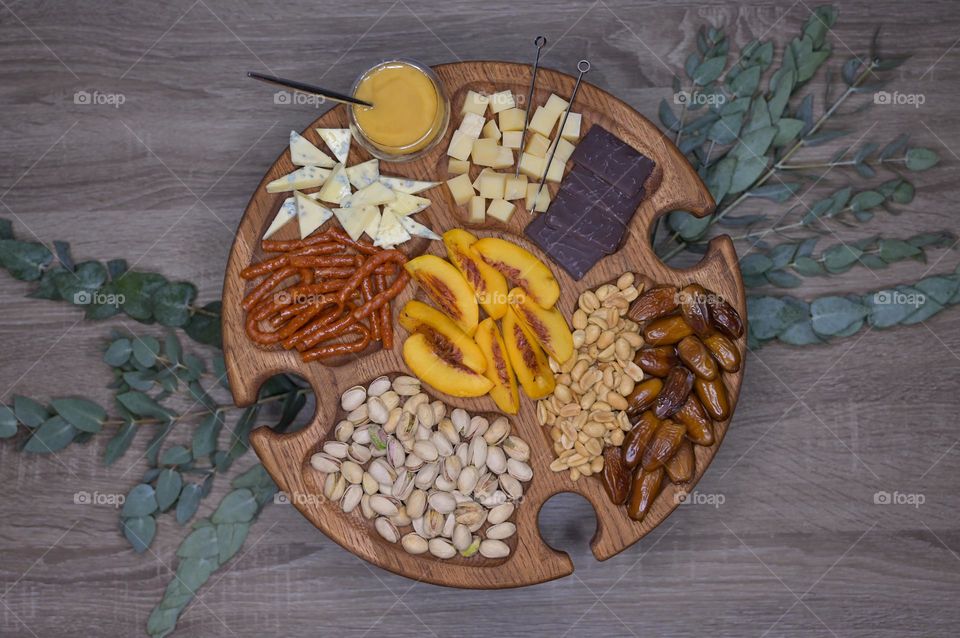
x=786, y=540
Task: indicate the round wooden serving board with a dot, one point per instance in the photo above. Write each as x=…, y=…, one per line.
x=674, y=185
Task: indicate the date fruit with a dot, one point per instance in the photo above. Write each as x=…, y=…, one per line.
x=693, y=307
x=666, y=331
x=713, y=396
x=681, y=465
x=695, y=354
x=616, y=476
x=646, y=487
x=636, y=440
x=657, y=361
x=699, y=425
x=724, y=318
x=643, y=396
x=653, y=304
x=724, y=351
x=664, y=443
x=675, y=390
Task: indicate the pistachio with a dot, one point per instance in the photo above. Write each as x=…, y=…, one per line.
x=442, y=548
x=414, y=544
x=501, y=531
x=351, y=498
x=387, y=529
x=492, y=548
x=353, y=398
x=500, y=513
x=323, y=462
x=406, y=386
x=377, y=411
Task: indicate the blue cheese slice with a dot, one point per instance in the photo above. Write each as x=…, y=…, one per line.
x=415, y=228
x=306, y=177
x=373, y=221
x=405, y=205
x=390, y=232
x=404, y=185
x=355, y=220
x=363, y=174
x=338, y=141
x=337, y=187
x=288, y=210
x=310, y=214
x=304, y=153
x=373, y=195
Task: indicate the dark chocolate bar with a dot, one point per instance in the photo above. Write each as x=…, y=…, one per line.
x=612, y=159
x=586, y=219
x=586, y=186
x=572, y=253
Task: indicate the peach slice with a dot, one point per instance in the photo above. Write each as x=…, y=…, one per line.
x=548, y=327
x=520, y=267
x=487, y=283
x=438, y=363
x=529, y=362
x=447, y=288
x=417, y=316
x=499, y=371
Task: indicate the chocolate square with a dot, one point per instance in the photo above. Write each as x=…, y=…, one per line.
x=612, y=159
x=574, y=254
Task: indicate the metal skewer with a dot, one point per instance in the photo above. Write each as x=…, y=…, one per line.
x=538, y=42
x=311, y=89
x=583, y=66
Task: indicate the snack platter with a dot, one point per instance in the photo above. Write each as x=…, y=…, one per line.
x=385, y=434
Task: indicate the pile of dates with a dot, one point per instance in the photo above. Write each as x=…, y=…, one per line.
x=689, y=336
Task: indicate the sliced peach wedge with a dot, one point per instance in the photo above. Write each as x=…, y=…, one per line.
x=499, y=370
x=488, y=284
x=417, y=316
x=548, y=327
x=528, y=359
x=520, y=267
x=437, y=362
x=447, y=288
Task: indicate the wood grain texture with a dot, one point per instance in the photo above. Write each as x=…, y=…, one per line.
x=878, y=413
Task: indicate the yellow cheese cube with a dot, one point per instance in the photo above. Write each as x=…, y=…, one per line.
x=537, y=145
x=504, y=157
x=490, y=130
x=491, y=185
x=460, y=146
x=458, y=167
x=515, y=187
x=556, y=104
x=564, y=149
x=472, y=125
x=478, y=210
x=543, y=201
x=476, y=182
x=475, y=103
x=555, y=172
x=485, y=152
x=461, y=189
x=543, y=121
x=500, y=209
x=512, y=119
x=512, y=139
x=502, y=101
x=571, y=130
x=532, y=166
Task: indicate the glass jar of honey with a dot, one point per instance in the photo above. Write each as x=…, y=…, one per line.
x=410, y=113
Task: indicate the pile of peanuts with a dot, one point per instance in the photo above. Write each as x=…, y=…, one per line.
x=587, y=409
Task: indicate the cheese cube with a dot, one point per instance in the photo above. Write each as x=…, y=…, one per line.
x=500, y=209
x=543, y=201
x=571, y=130
x=491, y=185
x=476, y=182
x=502, y=101
x=532, y=166
x=556, y=104
x=555, y=172
x=478, y=210
x=543, y=121
x=460, y=145
x=564, y=149
x=515, y=187
x=458, y=167
x=461, y=189
x=504, y=158
x=490, y=130
x=537, y=145
x=472, y=125
x=512, y=139
x=474, y=103
x=512, y=119
x=485, y=152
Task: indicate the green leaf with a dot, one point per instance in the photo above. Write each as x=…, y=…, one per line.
x=783, y=279
x=24, y=260
x=142, y=405
x=918, y=159
x=897, y=250
x=204, y=328
x=135, y=291
x=709, y=70
x=866, y=200
x=766, y=316
x=141, y=501
x=168, y=488
x=206, y=434
x=6, y=229
x=194, y=572
x=118, y=353
x=832, y=315
x=788, y=130
x=119, y=443
x=200, y=543
x=140, y=531
x=239, y=506
x=78, y=287
x=145, y=351
x=176, y=455
x=142, y=381
x=8, y=422
x=171, y=303
x=748, y=170
x=720, y=176
x=800, y=334
x=172, y=348
x=755, y=143
x=163, y=621
x=230, y=538
x=840, y=257
x=83, y=414
x=53, y=434
x=746, y=83
x=188, y=502
x=29, y=412
x=667, y=118
x=808, y=267
x=755, y=264
x=781, y=94
x=726, y=129
x=903, y=193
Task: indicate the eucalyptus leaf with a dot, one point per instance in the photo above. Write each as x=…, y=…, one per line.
x=188, y=502
x=140, y=501
x=709, y=70
x=53, y=435
x=135, y=290
x=755, y=264
x=119, y=443
x=83, y=414
x=239, y=506
x=118, y=353
x=200, y=543
x=142, y=405
x=140, y=531
x=172, y=303
x=24, y=260
x=832, y=315
x=29, y=412
x=206, y=434
x=204, y=327
x=230, y=538
x=169, y=484
x=920, y=159
x=175, y=455
x=145, y=351
x=8, y=422
x=748, y=170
